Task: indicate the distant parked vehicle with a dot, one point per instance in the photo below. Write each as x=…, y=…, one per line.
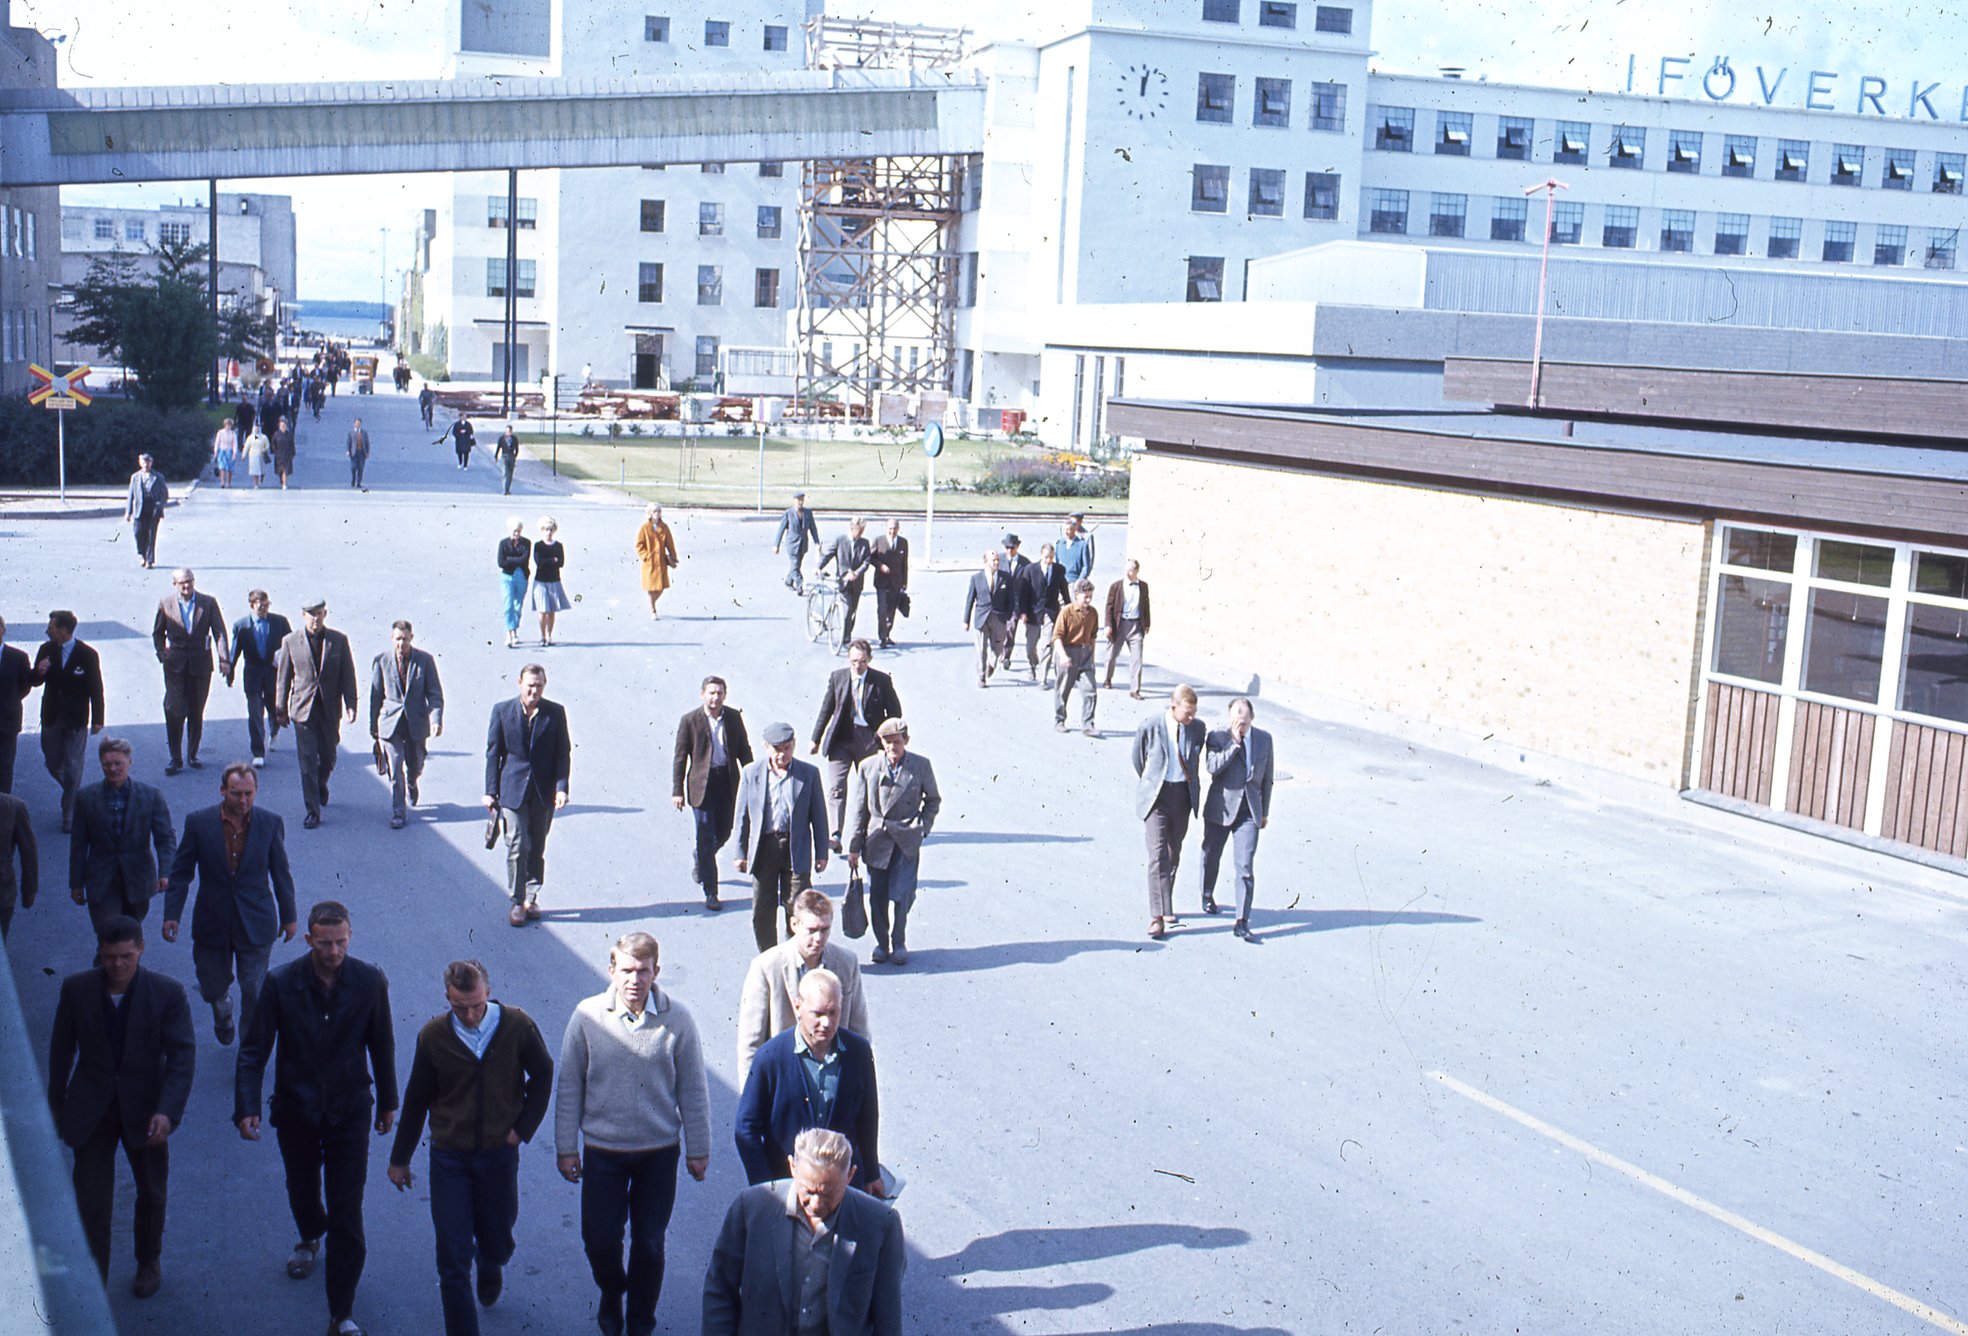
x=364, y=367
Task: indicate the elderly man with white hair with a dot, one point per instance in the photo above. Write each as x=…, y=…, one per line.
x=816, y=1074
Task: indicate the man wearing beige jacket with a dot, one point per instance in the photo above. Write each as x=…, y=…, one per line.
x=765, y=1004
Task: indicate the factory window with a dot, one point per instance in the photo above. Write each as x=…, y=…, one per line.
x=1272, y=105
x=1219, y=11
x=169, y=234
x=1567, y=223
x=968, y=280
x=133, y=229
x=1739, y=155
x=710, y=285
x=33, y=251
x=1507, y=219
x=775, y=37
x=710, y=220
x=1622, y=227
x=1209, y=189
x=495, y=278
x=1396, y=131
x=1847, y=164
x=1205, y=278
x=1678, y=230
x=1329, y=106
x=769, y=221
x=73, y=228
x=717, y=32
x=1452, y=131
x=1216, y=97
x=1940, y=247
x=655, y=29
x=1514, y=135
x=1447, y=215
x=1334, y=19
x=495, y=212
x=1786, y=234
x=1889, y=245
x=1684, y=151
x=652, y=215
x=1897, y=174
x=710, y=168
x=1731, y=233
x=1629, y=147
x=105, y=229
x=1839, y=239
x=649, y=282
x=765, y=288
x=707, y=354
x=1267, y=192
x=1322, y=195
x=1390, y=211
x=1277, y=14
x=1793, y=160
x=1947, y=173
x=1572, y=142
x=772, y=169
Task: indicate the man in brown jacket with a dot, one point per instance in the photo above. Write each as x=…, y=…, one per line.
x=711, y=753
x=1073, y=635
x=1127, y=624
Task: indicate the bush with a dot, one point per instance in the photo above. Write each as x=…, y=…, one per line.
x=1014, y=476
x=104, y=441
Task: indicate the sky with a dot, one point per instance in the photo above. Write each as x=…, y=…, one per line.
x=354, y=231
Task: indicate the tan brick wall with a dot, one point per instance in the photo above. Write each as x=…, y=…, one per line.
x=1565, y=631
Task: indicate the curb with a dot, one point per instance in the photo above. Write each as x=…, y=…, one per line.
x=44, y=506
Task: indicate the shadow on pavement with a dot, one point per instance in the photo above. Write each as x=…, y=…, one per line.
x=998, y=955
x=1023, y=1249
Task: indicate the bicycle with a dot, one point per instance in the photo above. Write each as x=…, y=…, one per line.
x=824, y=612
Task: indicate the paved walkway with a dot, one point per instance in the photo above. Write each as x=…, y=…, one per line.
x=1100, y=1133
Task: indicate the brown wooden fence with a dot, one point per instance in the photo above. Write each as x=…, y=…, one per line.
x=1926, y=802
x=1830, y=763
x=1740, y=752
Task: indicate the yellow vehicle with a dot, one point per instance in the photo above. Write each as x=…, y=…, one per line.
x=363, y=366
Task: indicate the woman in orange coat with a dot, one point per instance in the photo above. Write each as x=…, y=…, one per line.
x=656, y=550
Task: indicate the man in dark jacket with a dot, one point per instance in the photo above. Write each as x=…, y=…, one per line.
x=16, y=835
x=256, y=641
x=526, y=756
x=122, y=840
x=325, y=1019
x=119, y=1072
x=891, y=559
x=483, y=1076
x=858, y=701
x=851, y=558
x=187, y=628
x=797, y=531
x=70, y=676
x=711, y=752
x=1042, y=593
x=779, y=1101
x=16, y=680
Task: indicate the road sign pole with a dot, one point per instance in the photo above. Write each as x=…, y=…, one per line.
x=929, y=516
x=61, y=455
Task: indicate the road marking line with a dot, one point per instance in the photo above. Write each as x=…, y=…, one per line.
x=1905, y=1302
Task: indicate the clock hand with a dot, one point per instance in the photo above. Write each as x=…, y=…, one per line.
x=1144, y=84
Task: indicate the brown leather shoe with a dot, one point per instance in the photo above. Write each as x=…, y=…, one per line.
x=149, y=1277
x=517, y=916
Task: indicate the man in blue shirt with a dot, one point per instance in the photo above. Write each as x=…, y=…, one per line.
x=255, y=643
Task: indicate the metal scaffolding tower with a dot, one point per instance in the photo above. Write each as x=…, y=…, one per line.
x=877, y=236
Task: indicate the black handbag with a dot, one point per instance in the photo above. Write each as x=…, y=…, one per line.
x=902, y=601
x=854, y=911
x=495, y=827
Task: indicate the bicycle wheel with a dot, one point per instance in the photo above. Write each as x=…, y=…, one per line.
x=817, y=604
x=836, y=616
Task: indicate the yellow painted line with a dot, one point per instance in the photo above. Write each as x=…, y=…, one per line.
x=1905, y=1302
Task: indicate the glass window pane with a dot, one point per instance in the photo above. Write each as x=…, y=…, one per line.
x=1764, y=551
x=1940, y=573
x=1855, y=563
x=1752, y=629
x=1844, y=643
x=1934, y=672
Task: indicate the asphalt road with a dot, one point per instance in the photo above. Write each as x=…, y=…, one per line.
x=1502, y=1043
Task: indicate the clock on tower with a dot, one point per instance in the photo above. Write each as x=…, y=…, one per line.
x=1143, y=92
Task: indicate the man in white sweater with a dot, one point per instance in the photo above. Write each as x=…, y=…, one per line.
x=771, y=992
x=631, y=1087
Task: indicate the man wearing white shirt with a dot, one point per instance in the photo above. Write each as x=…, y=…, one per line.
x=710, y=755
x=1168, y=751
x=1127, y=625
x=1238, y=806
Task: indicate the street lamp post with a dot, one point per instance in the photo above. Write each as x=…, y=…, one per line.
x=550, y=384
x=1550, y=187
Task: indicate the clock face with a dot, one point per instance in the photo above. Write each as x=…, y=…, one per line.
x=1143, y=92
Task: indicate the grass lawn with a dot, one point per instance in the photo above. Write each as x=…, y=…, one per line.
x=876, y=476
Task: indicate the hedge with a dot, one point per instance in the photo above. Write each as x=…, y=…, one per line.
x=104, y=441
x=1038, y=477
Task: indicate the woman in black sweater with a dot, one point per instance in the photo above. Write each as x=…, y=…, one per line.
x=514, y=553
x=548, y=559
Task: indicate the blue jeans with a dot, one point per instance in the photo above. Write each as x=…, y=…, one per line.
x=474, y=1205
x=515, y=583
x=636, y=1189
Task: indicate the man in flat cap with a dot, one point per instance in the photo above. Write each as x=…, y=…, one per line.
x=313, y=675
x=892, y=802
x=797, y=532
x=782, y=831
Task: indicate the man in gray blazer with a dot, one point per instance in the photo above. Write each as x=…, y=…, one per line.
x=314, y=674
x=121, y=837
x=770, y=993
x=406, y=710
x=782, y=830
x=187, y=628
x=892, y=802
x=990, y=605
x=1168, y=756
x=1238, y=806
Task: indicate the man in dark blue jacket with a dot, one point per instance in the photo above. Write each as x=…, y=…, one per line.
x=255, y=644
x=526, y=757
x=813, y=1075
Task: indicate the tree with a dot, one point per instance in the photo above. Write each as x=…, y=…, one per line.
x=100, y=303
x=243, y=333
x=170, y=342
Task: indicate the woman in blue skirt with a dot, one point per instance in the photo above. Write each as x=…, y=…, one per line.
x=549, y=557
x=514, y=554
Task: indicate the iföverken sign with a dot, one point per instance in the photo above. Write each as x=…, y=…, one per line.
x=1814, y=90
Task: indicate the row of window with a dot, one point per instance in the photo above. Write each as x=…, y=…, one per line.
x=717, y=32
x=766, y=169
x=18, y=229
x=1271, y=102
x=769, y=221
x=710, y=285
x=1626, y=148
x=134, y=229
x=1335, y=19
x=1209, y=192
x=20, y=335
x=1390, y=212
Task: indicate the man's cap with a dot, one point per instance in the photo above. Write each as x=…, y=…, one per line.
x=890, y=727
x=1077, y=515
x=777, y=735
x=319, y=605
x=799, y=496
x=1011, y=540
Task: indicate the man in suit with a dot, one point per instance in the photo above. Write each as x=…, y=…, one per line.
x=1238, y=806
x=1168, y=760
x=769, y=999
x=891, y=561
x=70, y=675
x=16, y=836
x=119, y=1072
x=324, y=1020
x=990, y=605
x=187, y=628
x=358, y=454
x=121, y=841
x=256, y=642
x=851, y=558
x=16, y=680
x=892, y=802
x=796, y=531
x=245, y=896
x=858, y=700
x=1013, y=564
x=143, y=509
x=846, y=1278
x=314, y=674
x=1042, y=592
x=527, y=750
x=782, y=830
x=784, y=1095
x=1127, y=625
x=710, y=756
x=406, y=710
